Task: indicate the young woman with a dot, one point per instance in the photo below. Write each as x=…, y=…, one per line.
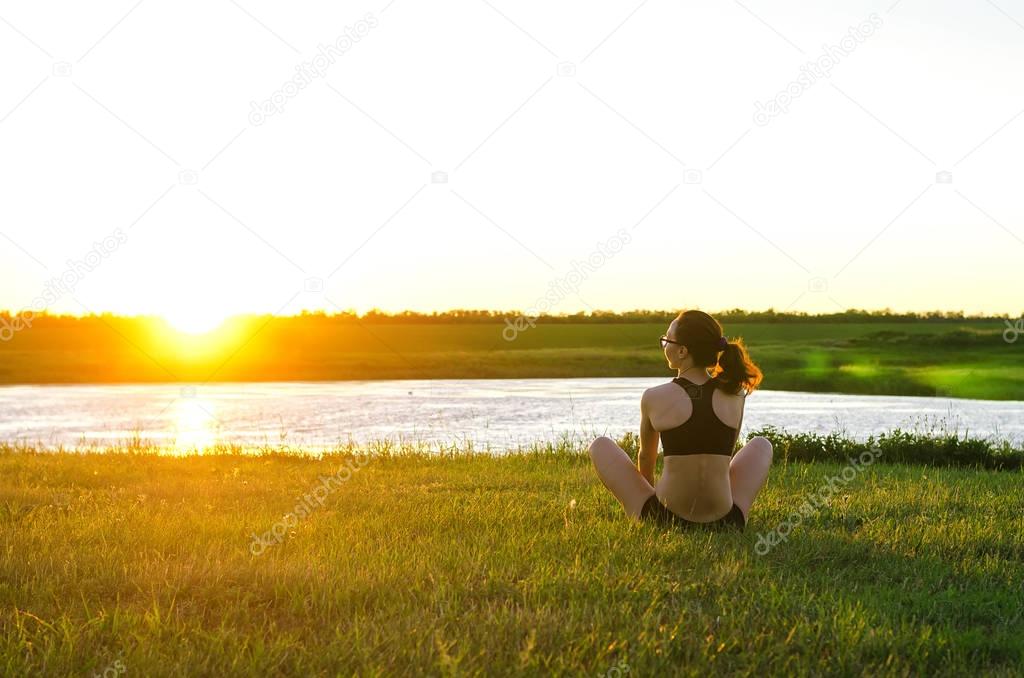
x=697, y=417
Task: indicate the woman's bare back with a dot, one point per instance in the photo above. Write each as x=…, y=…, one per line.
x=694, y=486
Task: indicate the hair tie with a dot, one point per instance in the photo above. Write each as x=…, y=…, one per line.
x=722, y=343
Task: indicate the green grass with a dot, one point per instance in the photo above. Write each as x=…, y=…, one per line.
x=456, y=563
x=967, y=359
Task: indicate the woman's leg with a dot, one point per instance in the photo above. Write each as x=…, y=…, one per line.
x=748, y=472
x=620, y=475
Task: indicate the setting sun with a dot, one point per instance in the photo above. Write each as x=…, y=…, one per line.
x=194, y=320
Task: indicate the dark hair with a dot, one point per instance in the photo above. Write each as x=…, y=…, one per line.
x=701, y=335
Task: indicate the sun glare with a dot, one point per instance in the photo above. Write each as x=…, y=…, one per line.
x=194, y=320
x=196, y=334
x=195, y=427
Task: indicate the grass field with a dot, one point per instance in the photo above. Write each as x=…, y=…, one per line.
x=463, y=564
x=962, y=359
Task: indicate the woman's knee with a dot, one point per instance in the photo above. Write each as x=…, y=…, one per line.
x=601, y=444
x=763, y=447
x=605, y=454
x=760, y=447
x=756, y=451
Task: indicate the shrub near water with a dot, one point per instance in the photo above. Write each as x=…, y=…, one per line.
x=897, y=447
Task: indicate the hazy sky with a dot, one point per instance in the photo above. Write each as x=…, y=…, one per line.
x=563, y=131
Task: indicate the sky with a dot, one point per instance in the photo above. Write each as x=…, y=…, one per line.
x=162, y=158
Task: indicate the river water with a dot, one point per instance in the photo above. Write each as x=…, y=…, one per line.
x=495, y=414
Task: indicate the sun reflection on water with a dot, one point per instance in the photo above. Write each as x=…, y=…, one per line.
x=196, y=428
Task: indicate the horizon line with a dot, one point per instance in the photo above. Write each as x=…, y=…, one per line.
x=515, y=313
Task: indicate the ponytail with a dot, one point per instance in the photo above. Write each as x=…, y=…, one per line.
x=736, y=371
x=730, y=363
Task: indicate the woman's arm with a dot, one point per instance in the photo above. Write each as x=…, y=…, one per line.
x=647, y=459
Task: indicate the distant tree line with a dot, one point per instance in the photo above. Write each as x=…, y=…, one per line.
x=473, y=316
x=664, y=316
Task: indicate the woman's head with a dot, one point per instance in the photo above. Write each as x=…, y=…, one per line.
x=697, y=340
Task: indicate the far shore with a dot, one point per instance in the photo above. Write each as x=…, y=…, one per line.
x=945, y=358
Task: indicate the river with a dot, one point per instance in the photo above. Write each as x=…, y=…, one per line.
x=494, y=414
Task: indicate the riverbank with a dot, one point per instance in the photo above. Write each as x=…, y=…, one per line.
x=405, y=563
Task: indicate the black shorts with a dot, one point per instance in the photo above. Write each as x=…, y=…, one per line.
x=657, y=512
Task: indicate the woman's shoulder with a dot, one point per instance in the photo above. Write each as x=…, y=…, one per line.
x=658, y=393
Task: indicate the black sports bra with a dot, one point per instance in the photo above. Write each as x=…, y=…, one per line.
x=703, y=432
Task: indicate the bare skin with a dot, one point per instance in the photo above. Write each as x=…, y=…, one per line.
x=700, y=487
